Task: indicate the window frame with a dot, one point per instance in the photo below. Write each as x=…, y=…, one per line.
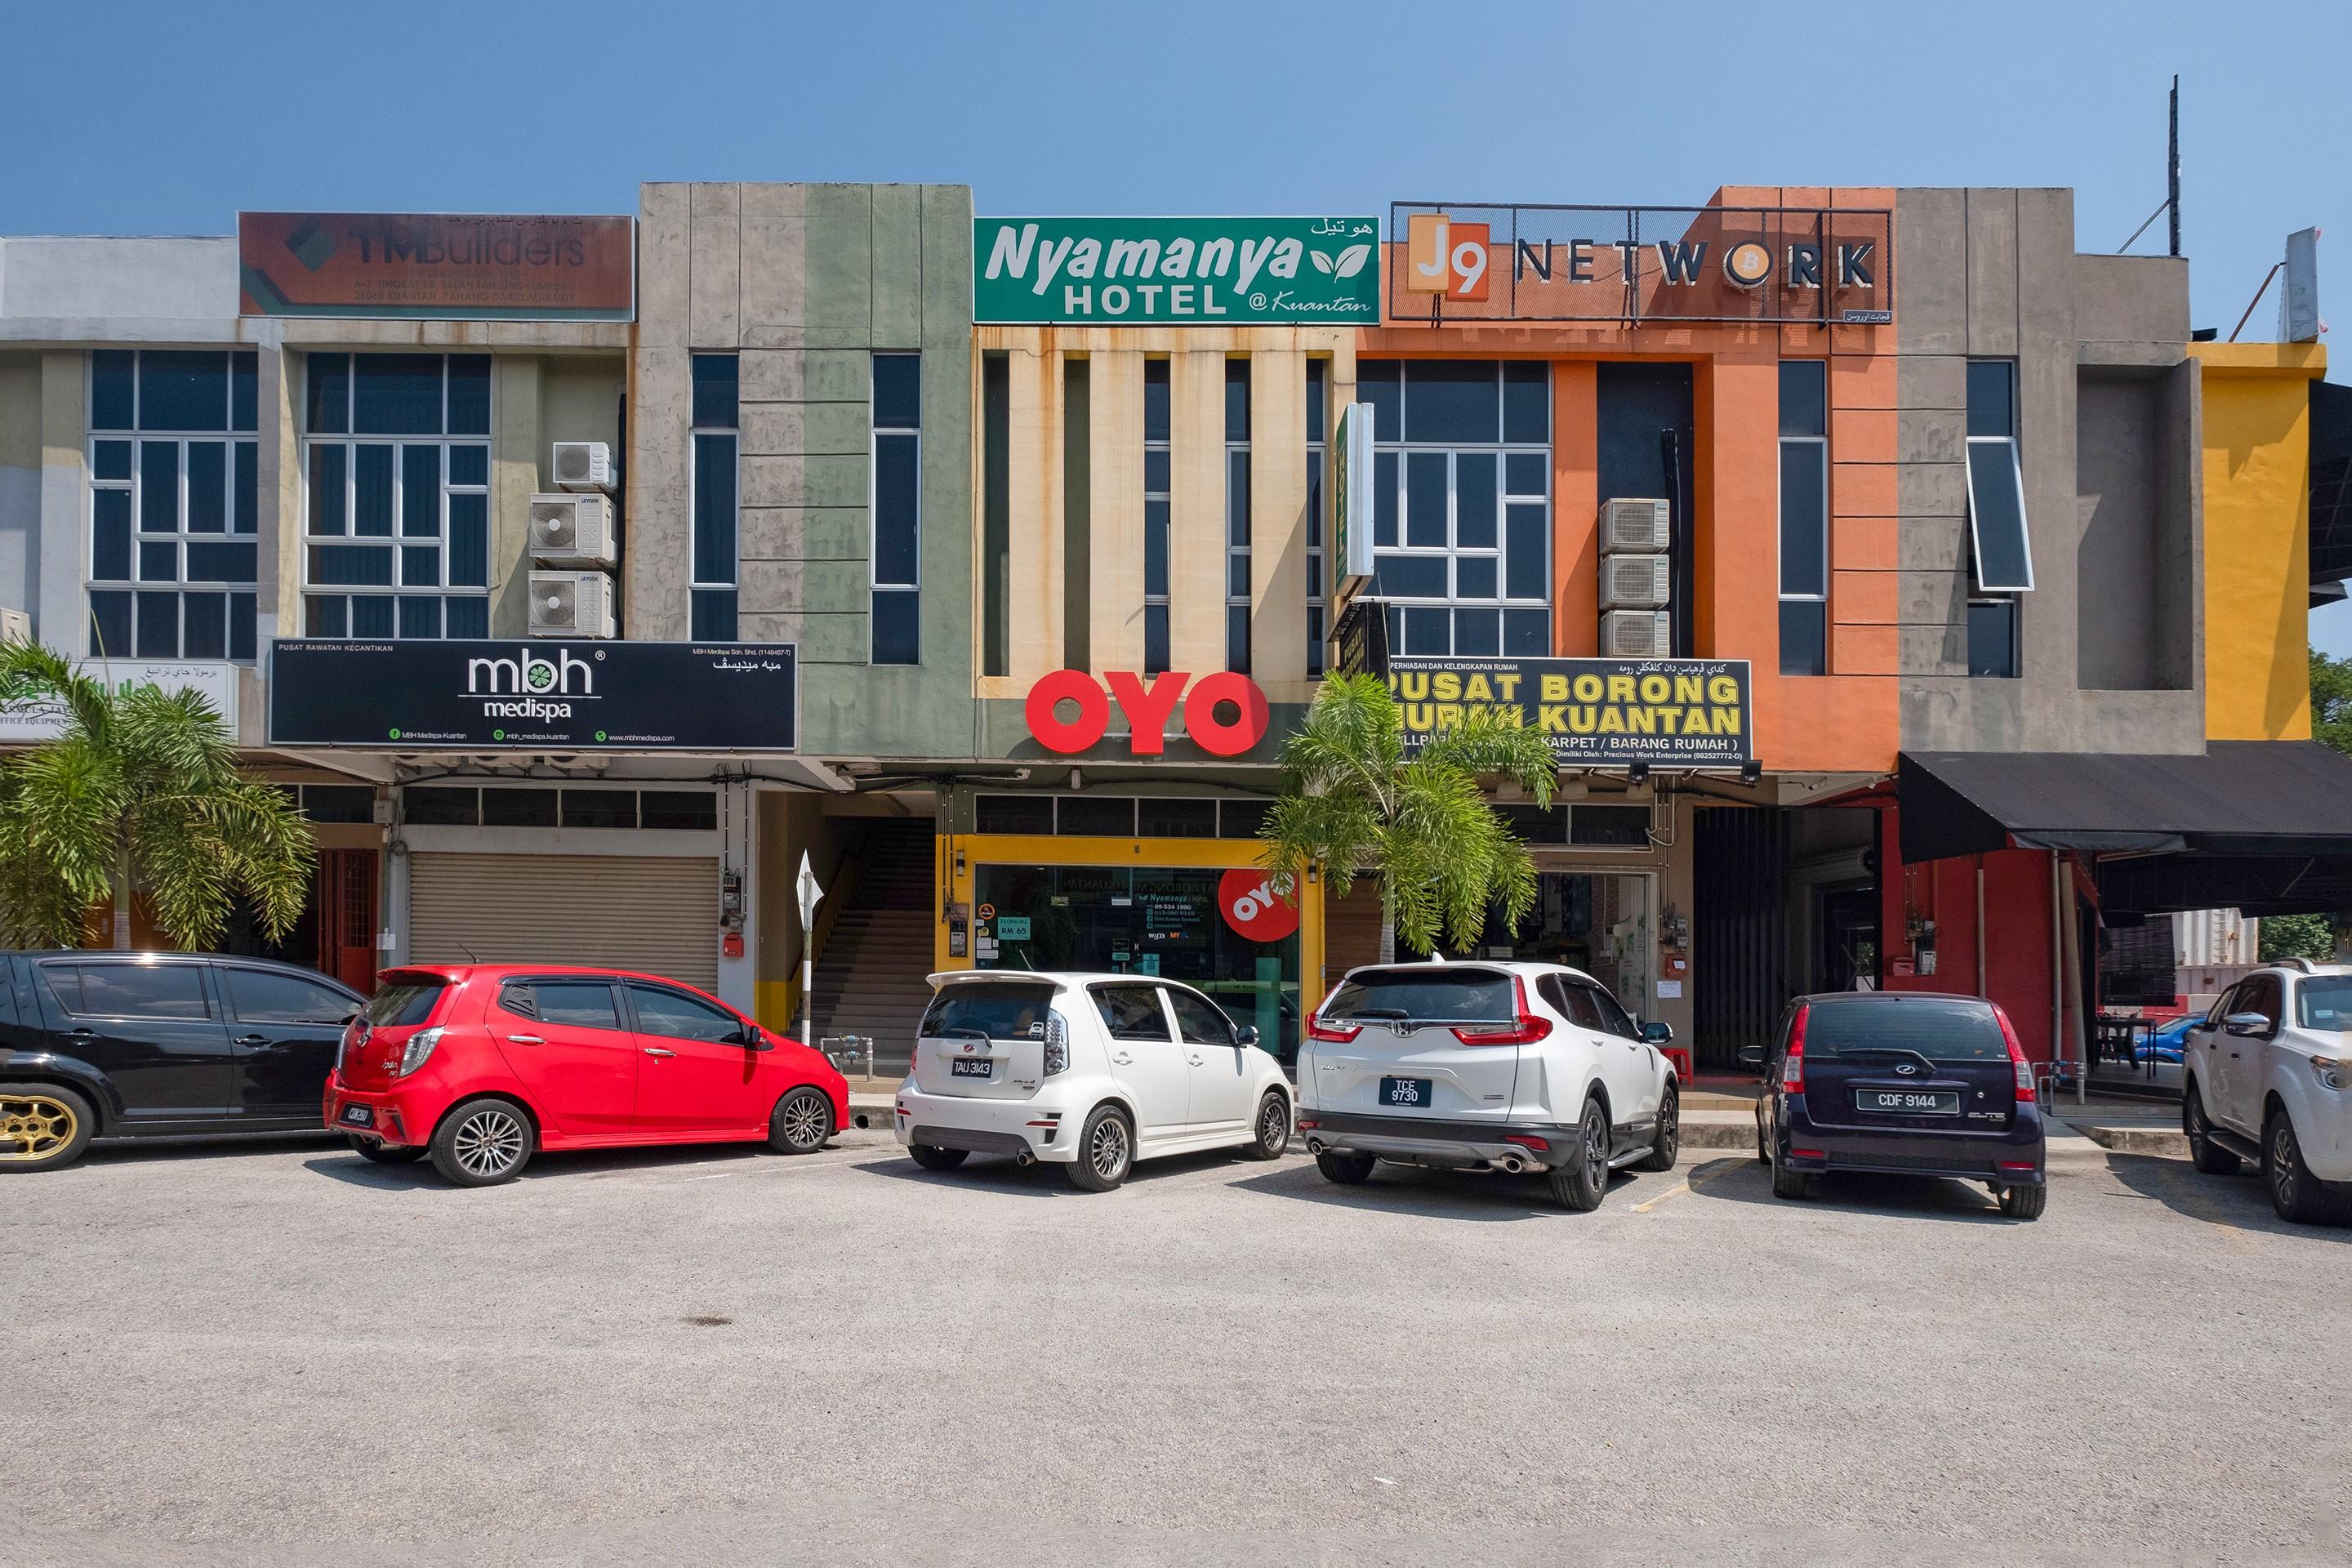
x=1502, y=601
x=1819, y=442
x=313, y=593
x=236, y=616
x=1236, y=510
x=699, y=591
x=1159, y=602
x=876, y=587
x=1319, y=593
x=636, y=1024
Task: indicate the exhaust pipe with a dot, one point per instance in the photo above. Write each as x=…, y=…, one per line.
x=1511, y=1164
x=1315, y=1145
x=1024, y=1159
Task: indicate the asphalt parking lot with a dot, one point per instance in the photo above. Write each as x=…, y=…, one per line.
x=278, y=1352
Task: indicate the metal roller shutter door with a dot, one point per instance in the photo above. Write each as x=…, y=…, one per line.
x=654, y=913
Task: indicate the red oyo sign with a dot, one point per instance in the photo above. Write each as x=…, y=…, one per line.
x=1247, y=898
x=1147, y=710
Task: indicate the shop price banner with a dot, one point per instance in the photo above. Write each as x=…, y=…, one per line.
x=1176, y=271
x=534, y=695
x=1684, y=712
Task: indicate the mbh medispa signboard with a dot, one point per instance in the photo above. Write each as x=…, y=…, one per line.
x=1672, y=713
x=1175, y=271
x=436, y=266
x=537, y=696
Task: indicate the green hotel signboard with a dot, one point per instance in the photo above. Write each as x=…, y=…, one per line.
x=1176, y=271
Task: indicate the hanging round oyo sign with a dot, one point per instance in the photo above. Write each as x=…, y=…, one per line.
x=1246, y=898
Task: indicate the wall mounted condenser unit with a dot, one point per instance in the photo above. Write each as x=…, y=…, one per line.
x=571, y=530
x=571, y=605
x=1636, y=634
x=1636, y=582
x=1640, y=527
x=583, y=466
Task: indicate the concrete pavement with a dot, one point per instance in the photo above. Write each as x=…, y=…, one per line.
x=281, y=1354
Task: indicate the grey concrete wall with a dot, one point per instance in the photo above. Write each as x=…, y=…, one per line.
x=76, y=288
x=2132, y=552
x=803, y=282
x=1993, y=274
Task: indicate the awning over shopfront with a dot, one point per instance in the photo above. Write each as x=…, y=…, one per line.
x=2261, y=825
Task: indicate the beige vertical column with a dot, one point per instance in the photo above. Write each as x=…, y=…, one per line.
x=1115, y=510
x=1196, y=545
x=1278, y=522
x=64, y=536
x=515, y=459
x=1034, y=476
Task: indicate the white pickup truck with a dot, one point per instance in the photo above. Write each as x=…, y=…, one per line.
x=2267, y=1077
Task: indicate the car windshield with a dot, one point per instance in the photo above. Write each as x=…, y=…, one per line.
x=997, y=1010
x=1940, y=1029
x=2324, y=1002
x=405, y=999
x=1426, y=996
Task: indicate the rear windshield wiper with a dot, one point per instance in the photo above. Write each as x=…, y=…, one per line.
x=1920, y=1056
x=964, y=1034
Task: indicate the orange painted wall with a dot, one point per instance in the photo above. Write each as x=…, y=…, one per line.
x=1846, y=721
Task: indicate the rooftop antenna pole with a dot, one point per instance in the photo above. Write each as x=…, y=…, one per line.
x=2172, y=167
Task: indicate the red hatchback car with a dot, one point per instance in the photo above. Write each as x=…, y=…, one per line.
x=482, y=1065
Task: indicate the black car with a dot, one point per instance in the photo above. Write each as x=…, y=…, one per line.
x=126, y=1045
x=1910, y=1083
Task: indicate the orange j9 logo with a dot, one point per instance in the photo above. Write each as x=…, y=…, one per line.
x=1442, y=257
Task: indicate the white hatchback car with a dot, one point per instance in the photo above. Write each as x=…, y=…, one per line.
x=1486, y=1066
x=2267, y=1077
x=1089, y=1072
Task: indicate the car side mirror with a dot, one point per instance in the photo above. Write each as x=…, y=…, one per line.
x=2246, y=1024
x=1658, y=1033
x=1245, y=1033
x=1751, y=1056
x=754, y=1037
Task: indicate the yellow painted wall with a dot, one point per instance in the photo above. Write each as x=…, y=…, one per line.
x=2256, y=411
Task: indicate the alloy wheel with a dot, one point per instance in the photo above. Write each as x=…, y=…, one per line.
x=33, y=1127
x=2283, y=1163
x=1596, y=1148
x=1107, y=1150
x=804, y=1119
x=1272, y=1124
x=490, y=1142
x=1671, y=1115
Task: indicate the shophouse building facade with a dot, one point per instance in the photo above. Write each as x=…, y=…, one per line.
x=981, y=564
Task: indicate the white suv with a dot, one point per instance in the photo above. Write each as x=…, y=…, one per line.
x=1486, y=1067
x=1092, y=1072
x=2267, y=1077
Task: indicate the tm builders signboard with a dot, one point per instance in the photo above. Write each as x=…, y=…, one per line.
x=1176, y=271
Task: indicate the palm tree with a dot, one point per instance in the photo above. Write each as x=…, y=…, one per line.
x=142, y=791
x=1352, y=802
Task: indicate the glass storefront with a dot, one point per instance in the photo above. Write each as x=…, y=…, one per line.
x=1140, y=919
x=1597, y=922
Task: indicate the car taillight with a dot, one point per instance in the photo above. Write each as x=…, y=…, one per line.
x=1058, y=1044
x=1524, y=1029
x=1529, y=1140
x=2023, y=1069
x=1792, y=1066
x=418, y=1051
x=1337, y=1033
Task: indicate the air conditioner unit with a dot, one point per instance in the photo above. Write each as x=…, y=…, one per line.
x=571, y=605
x=1637, y=527
x=1627, y=581
x=1631, y=634
x=571, y=530
x=583, y=466
x=16, y=625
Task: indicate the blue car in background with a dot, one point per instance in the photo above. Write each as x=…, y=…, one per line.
x=2166, y=1045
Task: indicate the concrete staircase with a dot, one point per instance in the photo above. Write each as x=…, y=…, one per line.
x=869, y=978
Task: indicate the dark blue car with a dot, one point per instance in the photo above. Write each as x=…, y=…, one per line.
x=1906, y=1083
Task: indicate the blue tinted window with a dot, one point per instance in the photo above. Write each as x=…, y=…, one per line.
x=109, y=620
x=328, y=410
x=372, y=492
x=1523, y=473
x=372, y=612
x=420, y=492
x=1527, y=634
x=715, y=388
x=1317, y=395
x=206, y=624
x=1997, y=517
x=159, y=487
x=111, y=404
x=1527, y=401
x=1993, y=398
x=714, y=508
x=110, y=535
x=469, y=542
x=713, y=615
x=328, y=617
x=367, y=564
x=207, y=486
x=1804, y=637
x=420, y=616
x=1237, y=400
x=246, y=517
x=1804, y=518
x=470, y=394
x=327, y=498
x=1524, y=553
x=209, y=562
x=1452, y=400
x=1477, y=633
x=1155, y=401
x=1804, y=397
x=469, y=465
x=1155, y=639
x=240, y=625
x=110, y=460
x=183, y=389
x=897, y=392
x=158, y=631
x=244, y=377
x=1384, y=498
x=467, y=615
x=1380, y=382
x=396, y=395
x=898, y=625
x=1473, y=499
x=897, y=501
x=1425, y=500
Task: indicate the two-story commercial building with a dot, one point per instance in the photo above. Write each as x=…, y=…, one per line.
x=1886, y=573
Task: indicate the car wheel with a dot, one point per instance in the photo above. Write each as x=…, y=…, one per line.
x=43, y=1127
x=1789, y=1182
x=2207, y=1156
x=483, y=1143
x=1666, y=1146
x=2023, y=1202
x=2295, y=1192
x=1106, y=1152
x=931, y=1157
x=1348, y=1170
x=383, y=1154
x=801, y=1122
x=1583, y=1181
x=1273, y=1128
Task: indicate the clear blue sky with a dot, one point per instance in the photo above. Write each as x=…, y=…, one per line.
x=166, y=119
